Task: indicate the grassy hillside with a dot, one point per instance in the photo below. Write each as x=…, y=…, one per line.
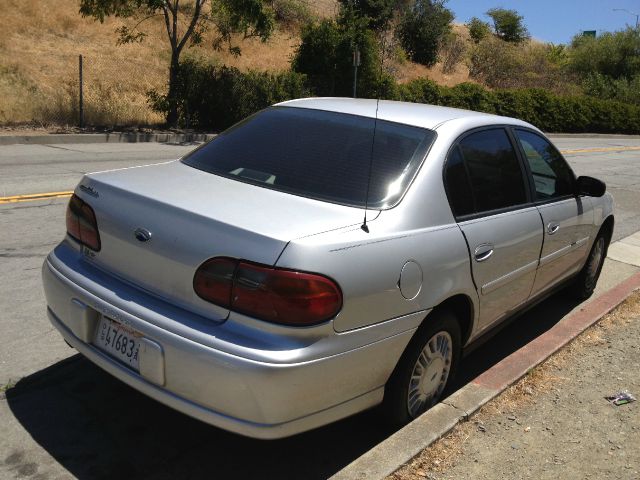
x=40, y=41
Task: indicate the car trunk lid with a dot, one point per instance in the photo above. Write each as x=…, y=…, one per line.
x=190, y=216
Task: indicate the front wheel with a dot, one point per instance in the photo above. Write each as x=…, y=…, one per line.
x=425, y=369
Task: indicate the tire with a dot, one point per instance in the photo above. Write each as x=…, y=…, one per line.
x=586, y=281
x=414, y=386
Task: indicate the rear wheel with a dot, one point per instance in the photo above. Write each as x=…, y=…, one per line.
x=586, y=281
x=425, y=369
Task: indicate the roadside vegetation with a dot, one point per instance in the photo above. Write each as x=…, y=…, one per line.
x=229, y=59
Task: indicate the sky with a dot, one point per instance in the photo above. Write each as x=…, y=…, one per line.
x=555, y=21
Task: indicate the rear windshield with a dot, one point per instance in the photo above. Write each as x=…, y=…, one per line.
x=318, y=154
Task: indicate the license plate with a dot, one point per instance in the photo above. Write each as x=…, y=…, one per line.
x=119, y=341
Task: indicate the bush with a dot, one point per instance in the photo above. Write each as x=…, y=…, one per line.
x=325, y=57
x=214, y=98
x=604, y=87
x=452, y=50
x=421, y=29
x=547, y=111
x=499, y=64
x=290, y=12
x=478, y=30
x=613, y=54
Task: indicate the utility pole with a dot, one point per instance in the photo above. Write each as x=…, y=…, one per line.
x=356, y=64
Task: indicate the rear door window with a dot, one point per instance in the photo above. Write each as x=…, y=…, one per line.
x=323, y=155
x=483, y=174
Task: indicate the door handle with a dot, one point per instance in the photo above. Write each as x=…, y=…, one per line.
x=483, y=252
x=553, y=228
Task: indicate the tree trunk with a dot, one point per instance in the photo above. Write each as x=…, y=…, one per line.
x=172, y=114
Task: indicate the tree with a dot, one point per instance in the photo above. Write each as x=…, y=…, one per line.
x=478, y=30
x=377, y=13
x=421, y=29
x=185, y=22
x=508, y=25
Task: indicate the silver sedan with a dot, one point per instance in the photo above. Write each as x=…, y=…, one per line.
x=319, y=258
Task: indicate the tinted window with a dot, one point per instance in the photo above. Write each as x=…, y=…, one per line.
x=551, y=174
x=494, y=171
x=458, y=187
x=318, y=154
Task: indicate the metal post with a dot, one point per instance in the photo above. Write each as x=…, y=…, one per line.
x=80, y=102
x=356, y=64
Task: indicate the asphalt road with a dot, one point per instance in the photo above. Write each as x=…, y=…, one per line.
x=54, y=168
x=66, y=417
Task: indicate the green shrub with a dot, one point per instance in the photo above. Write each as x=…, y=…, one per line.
x=601, y=86
x=325, y=56
x=545, y=110
x=478, y=30
x=421, y=29
x=614, y=54
x=214, y=98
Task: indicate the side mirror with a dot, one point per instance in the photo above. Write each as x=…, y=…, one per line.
x=590, y=186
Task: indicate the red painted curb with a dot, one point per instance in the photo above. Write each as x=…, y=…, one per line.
x=516, y=365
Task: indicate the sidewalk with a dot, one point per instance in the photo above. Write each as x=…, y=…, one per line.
x=619, y=278
x=558, y=425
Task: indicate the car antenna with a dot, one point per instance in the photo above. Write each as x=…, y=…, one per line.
x=364, y=225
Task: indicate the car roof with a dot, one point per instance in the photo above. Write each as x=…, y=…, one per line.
x=416, y=114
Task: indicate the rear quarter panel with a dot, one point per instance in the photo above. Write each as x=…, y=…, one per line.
x=368, y=266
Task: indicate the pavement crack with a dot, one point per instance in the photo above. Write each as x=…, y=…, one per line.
x=64, y=148
x=465, y=415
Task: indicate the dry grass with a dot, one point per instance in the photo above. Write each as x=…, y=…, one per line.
x=40, y=41
x=442, y=455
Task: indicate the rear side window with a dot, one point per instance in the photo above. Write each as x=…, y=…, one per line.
x=552, y=175
x=458, y=186
x=483, y=174
x=317, y=154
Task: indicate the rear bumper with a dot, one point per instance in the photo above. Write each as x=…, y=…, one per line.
x=259, y=396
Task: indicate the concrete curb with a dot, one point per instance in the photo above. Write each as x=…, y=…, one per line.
x=621, y=136
x=118, y=137
x=129, y=137
x=389, y=455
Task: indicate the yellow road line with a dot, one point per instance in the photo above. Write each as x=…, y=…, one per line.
x=34, y=196
x=600, y=149
x=50, y=195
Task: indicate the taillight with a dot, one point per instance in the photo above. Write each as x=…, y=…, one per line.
x=82, y=224
x=276, y=295
x=214, y=279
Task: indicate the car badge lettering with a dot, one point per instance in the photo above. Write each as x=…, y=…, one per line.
x=89, y=191
x=142, y=234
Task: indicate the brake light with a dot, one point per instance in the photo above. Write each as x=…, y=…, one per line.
x=82, y=224
x=276, y=295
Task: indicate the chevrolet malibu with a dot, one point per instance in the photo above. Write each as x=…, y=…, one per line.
x=319, y=258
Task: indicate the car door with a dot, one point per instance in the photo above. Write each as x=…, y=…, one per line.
x=567, y=218
x=489, y=195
